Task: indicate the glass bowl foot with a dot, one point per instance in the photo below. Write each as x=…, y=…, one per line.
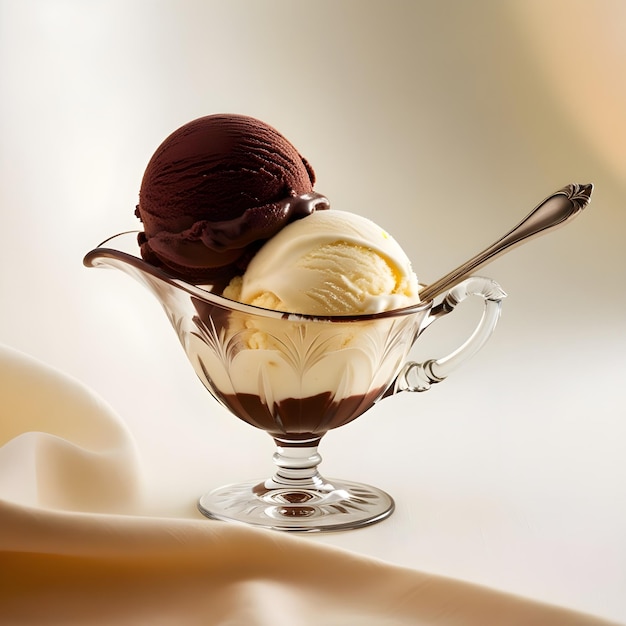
x=334, y=505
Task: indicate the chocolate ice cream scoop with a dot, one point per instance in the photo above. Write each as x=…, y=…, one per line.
x=215, y=190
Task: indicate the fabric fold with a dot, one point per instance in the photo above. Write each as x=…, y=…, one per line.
x=68, y=449
x=75, y=547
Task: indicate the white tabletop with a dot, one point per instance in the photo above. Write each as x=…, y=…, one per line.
x=446, y=128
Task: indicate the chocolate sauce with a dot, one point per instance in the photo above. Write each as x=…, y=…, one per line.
x=299, y=418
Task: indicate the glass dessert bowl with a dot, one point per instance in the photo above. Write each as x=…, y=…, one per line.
x=297, y=377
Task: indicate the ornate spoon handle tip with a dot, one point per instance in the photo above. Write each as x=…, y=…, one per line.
x=554, y=211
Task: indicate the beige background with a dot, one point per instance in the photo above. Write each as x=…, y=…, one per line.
x=444, y=121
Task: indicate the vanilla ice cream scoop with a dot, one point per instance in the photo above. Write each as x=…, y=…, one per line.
x=328, y=263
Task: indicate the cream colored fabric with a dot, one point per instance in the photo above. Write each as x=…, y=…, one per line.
x=77, y=548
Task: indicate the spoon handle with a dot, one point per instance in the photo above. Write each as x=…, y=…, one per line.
x=554, y=211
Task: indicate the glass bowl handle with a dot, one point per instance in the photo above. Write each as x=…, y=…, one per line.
x=421, y=376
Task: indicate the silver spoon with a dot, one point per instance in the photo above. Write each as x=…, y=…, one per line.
x=554, y=211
